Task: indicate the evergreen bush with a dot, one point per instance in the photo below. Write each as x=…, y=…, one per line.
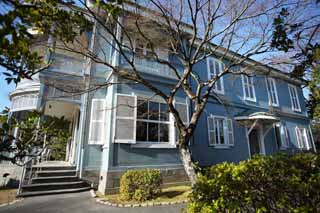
x=279, y=183
x=140, y=185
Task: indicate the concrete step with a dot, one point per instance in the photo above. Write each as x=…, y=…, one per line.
x=54, y=173
x=48, y=192
x=54, y=179
x=54, y=186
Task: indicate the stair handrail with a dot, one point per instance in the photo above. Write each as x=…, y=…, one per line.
x=29, y=162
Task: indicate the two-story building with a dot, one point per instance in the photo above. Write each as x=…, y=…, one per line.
x=125, y=126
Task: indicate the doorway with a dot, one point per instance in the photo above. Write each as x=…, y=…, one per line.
x=254, y=142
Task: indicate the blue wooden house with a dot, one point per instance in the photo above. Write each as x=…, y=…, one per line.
x=126, y=126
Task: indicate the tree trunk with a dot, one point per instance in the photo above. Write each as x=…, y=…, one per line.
x=187, y=164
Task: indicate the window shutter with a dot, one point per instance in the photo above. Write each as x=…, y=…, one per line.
x=307, y=144
x=230, y=132
x=125, y=124
x=97, y=119
x=299, y=138
x=211, y=131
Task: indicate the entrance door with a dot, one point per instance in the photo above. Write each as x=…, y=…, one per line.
x=254, y=142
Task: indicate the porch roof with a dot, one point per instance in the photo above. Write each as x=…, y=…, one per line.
x=263, y=117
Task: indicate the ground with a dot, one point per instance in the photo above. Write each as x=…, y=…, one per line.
x=168, y=194
x=7, y=195
x=75, y=203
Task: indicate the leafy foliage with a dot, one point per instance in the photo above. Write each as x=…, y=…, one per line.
x=303, y=38
x=280, y=183
x=140, y=185
x=34, y=134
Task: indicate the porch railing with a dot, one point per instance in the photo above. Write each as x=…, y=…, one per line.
x=29, y=171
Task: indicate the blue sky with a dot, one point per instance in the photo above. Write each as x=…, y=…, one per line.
x=4, y=90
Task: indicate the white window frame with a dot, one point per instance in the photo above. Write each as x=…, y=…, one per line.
x=212, y=73
x=272, y=83
x=294, y=97
x=155, y=121
x=250, y=85
x=102, y=120
x=226, y=131
x=303, y=141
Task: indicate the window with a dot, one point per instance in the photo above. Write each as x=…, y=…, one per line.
x=248, y=88
x=153, y=121
x=282, y=136
x=272, y=92
x=24, y=102
x=220, y=131
x=295, y=105
x=214, y=68
x=302, y=138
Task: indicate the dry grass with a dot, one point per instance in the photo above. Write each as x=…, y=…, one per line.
x=7, y=195
x=169, y=194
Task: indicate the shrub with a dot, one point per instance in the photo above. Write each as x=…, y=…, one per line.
x=140, y=185
x=280, y=183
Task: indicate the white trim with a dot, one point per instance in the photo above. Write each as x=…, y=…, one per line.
x=250, y=86
x=134, y=118
x=101, y=120
x=274, y=85
x=302, y=138
x=214, y=73
x=159, y=145
x=312, y=139
x=226, y=131
x=292, y=98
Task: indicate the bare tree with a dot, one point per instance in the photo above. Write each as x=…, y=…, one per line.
x=191, y=31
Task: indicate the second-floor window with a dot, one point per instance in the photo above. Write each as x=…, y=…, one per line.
x=272, y=92
x=248, y=88
x=214, y=68
x=295, y=105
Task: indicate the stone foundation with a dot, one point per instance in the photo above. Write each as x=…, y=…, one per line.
x=110, y=181
x=91, y=177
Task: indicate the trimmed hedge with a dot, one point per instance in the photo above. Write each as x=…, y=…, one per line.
x=140, y=185
x=279, y=183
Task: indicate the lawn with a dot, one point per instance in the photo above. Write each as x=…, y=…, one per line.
x=7, y=195
x=169, y=194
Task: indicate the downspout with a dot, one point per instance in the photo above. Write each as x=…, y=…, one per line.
x=87, y=71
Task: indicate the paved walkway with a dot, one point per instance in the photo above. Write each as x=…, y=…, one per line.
x=77, y=203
